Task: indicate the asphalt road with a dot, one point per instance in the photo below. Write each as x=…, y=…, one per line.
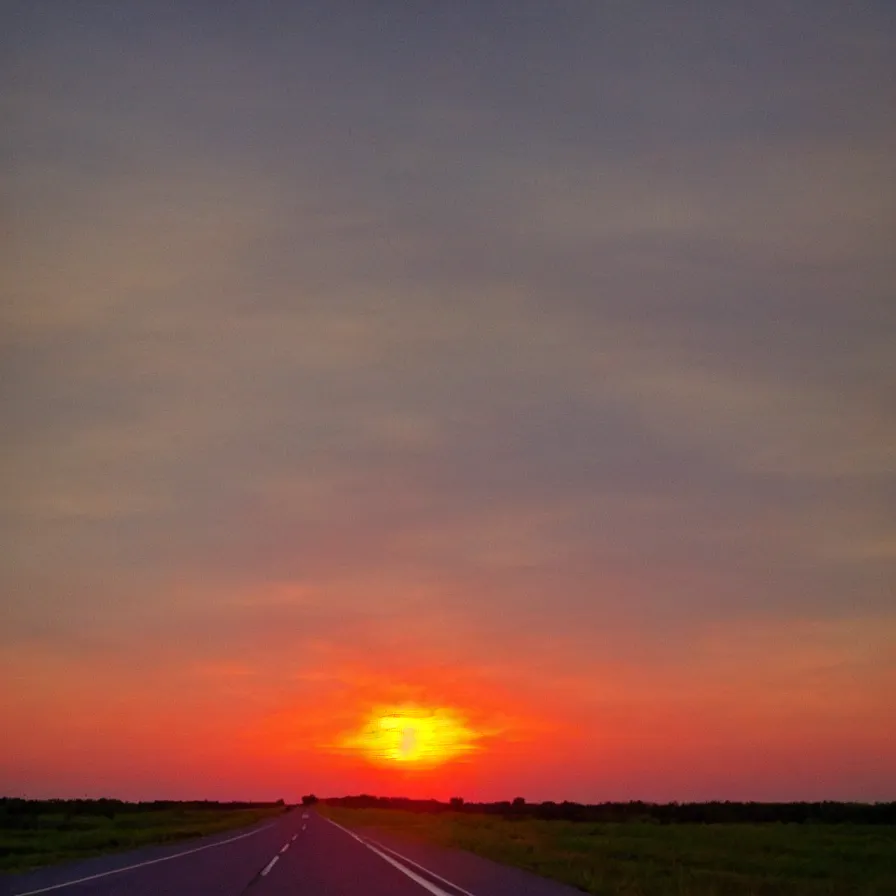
x=300, y=854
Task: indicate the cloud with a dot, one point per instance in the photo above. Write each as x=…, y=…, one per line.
x=527, y=355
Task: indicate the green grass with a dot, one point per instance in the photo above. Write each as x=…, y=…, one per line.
x=647, y=859
x=51, y=837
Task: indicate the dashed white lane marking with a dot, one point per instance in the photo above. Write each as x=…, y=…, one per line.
x=267, y=868
x=293, y=838
x=285, y=847
x=428, y=885
x=303, y=827
x=186, y=852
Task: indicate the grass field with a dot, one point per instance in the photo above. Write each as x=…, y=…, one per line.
x=50, y=837
x=645, y=859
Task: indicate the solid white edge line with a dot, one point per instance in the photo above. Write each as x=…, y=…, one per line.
x=81, y=880
x=426, y=884
x=423, y=868
x=267, y=868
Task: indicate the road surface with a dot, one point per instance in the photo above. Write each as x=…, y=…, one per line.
x=300, y=854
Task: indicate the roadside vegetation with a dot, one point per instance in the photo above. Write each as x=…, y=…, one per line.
x=34, y=833
x=648, y=858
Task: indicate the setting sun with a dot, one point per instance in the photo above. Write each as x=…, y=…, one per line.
x=414, y=735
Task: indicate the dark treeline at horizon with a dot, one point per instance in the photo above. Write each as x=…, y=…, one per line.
x=711, y=812
x=14, y=805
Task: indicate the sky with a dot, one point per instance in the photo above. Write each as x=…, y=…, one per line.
x=528, y=366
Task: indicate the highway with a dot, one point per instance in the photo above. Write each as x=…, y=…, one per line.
x=300, y=854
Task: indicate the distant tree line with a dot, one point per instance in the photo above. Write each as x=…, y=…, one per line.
x=715, y=812
x=20, y=812
x=23, y=813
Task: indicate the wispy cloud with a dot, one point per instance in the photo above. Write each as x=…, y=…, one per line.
x=445, y=359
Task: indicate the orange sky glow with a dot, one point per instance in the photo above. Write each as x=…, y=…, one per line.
x=337, y=726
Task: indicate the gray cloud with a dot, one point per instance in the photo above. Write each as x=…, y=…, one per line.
x=565, y=327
